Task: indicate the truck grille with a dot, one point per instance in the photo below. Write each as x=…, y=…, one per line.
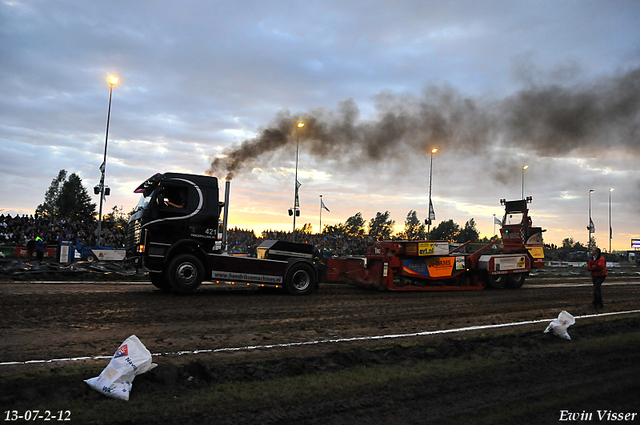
x=133, y=236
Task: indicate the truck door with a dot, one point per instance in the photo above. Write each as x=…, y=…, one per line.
x=174, y=200
x=176, y=204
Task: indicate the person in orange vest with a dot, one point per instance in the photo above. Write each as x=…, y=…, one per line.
x=597, y=265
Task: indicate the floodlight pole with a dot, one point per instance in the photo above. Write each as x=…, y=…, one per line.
x=590, y=227
x=113, y=80
x=434, y=150
x=524, y=167
x=610, y=228
x=296, y=204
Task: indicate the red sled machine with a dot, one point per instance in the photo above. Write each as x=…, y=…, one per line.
x=433, y=265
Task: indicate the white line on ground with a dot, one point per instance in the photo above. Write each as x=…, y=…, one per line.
x=324, y=341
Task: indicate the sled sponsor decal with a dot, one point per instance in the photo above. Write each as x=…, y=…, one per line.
x=249, y=277
x=536, y=252
x=510, y=263
x=433, y=248
x=429, y=267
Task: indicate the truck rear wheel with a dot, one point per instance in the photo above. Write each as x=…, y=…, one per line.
x=496, y=281
x=159, y=281
x=185, y=273
x=515, y=280
x=300, y=279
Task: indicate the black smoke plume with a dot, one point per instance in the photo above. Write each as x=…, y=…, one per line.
x=548, y=120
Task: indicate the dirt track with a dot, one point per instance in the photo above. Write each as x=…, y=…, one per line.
x=52, y=321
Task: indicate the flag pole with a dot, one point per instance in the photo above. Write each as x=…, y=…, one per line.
x=320, y=230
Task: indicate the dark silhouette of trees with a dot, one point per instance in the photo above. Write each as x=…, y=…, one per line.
x=67, y=199
x=381, y=226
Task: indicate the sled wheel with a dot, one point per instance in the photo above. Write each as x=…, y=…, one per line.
x=91, y=258
x=496, y=281
x=300, y=279
x=185, y=273
x=516, y=280
x=159, y=281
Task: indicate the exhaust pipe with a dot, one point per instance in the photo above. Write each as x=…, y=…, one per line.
x=227, y=186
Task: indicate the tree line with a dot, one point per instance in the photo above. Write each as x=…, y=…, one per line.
x=66, y=198
x=381, y=227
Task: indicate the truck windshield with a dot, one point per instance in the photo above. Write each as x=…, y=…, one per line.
x=513, y=218
x=144, y=201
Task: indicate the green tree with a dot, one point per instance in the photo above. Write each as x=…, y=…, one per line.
x=354, y=226
x=568, y=243
x=337, y=230
x=74, y=201
x=307, y=229
x=413, y=229
x=381, y=226
x=117, y=217
x=446, y=231
x=469, y=232
x=50, y=207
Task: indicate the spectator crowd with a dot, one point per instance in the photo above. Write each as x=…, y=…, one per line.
x=19, y=230
x=245, y=242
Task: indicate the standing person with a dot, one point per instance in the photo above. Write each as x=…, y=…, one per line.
x=40, y=247
x=597, y=265
x=31, y=246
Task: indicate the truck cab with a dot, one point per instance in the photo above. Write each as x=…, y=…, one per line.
x=176, y=213
x=176, y=233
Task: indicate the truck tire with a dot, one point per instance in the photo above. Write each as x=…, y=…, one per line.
x=515, y=280
x=159, y=281
x=91, y=258
x=185, y=273
x=496, y=281
x=300, y=279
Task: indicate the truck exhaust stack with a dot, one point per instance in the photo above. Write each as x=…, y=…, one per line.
x=227, y=187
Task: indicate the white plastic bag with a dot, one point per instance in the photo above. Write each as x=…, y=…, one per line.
x=559, y=326
x=131, y=359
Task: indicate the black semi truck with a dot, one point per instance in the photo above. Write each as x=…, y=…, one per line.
x=178, y=233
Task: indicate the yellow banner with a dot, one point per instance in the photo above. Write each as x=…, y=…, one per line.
x=425, y=248
x=536, y=251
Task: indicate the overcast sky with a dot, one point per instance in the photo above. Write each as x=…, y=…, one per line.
x=494, y=85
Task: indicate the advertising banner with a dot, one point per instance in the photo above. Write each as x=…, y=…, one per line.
x=432, y=267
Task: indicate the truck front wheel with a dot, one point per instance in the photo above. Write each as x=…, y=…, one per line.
x=300, y=279
x=185, y=273
x=159, y=281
